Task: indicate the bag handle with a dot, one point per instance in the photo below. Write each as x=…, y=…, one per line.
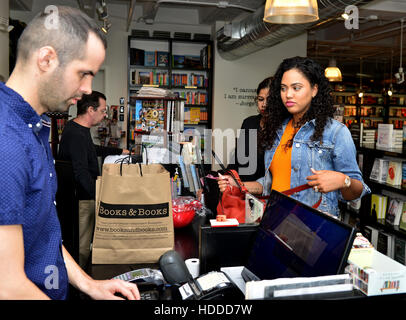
x=244, y=189
x=301, y=188
x=128, y=159
x=232, y=173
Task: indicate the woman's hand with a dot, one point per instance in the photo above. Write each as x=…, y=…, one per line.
x=325, y=180
x=225, y=182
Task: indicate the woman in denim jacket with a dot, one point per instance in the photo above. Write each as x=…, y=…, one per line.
x=303, y=143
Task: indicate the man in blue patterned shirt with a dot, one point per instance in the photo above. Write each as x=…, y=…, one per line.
x=58, y=55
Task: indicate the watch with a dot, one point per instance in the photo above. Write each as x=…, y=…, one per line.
x=347, y=182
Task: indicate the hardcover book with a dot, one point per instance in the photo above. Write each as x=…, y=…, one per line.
x=394, y=212
x=144, y=78
x=178, y=61
x=378, y=206
x=400, y=248
x=404, y=172
x=149, y=59
x=385, y=134
x=379, y=170
x=394, y=176
x=402, y=223
x=162, y=59
x=385, y=244
x=137, y=56
x=371, y=234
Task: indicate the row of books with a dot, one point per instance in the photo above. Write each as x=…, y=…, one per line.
x=195, y=115
x=193, y=97
x=371, y=123
x=345, y=99
x=141, y=57
x=397, y=112
x=388, y=137
x=156, y=77
x=389, y=170
x=148, y=58
x=398, y=123
x=153, y=77
x=205, y=56
x=364, y=111
x=390, y=209
x=400, y=101
x=385, y=137
x=190, y=169
x=183, y=79
x=386, y=243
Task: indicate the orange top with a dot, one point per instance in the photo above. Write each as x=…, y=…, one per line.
x=280, y=167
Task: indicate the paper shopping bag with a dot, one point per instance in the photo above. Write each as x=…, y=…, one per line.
x=134, y=221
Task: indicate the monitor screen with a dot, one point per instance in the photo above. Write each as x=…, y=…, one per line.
x=295, y=240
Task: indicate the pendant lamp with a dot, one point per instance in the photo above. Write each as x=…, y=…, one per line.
x=332, y=73
x=291, y=11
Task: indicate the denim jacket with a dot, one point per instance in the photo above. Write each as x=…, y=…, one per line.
x=337, y=153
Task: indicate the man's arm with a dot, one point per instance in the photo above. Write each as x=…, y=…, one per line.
x=14, y=284
x=98, y=289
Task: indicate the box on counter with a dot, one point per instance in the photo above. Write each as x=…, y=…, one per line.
x=376, y=274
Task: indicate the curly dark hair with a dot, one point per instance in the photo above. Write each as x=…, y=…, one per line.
x=321, y=108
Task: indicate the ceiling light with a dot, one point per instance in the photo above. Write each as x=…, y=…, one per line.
x=390, y=91
x=333, y=73
x=291, y=11
x=345, y=16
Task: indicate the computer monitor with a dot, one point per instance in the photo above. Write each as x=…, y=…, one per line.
x=295, y=240
x=225, y=246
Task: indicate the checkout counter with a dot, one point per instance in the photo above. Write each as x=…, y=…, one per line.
x=188, y=244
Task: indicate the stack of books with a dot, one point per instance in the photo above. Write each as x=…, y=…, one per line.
x=367, y=137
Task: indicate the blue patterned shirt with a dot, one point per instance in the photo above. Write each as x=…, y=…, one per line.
x=27, y=191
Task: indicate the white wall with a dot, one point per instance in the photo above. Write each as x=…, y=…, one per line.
x=233, y=77
x=4, y=42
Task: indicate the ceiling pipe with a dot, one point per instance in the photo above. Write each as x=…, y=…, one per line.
x=150, y=15
x=219, y=4
x=130, y=14
x=255, y=34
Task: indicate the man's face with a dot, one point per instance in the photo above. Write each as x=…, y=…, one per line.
x=98, y=114
x=64, y=86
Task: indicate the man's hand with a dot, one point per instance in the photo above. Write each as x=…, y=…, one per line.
x=105, y=290
x=125, y=151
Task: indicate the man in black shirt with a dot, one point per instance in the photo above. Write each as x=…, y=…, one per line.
x=77, y=147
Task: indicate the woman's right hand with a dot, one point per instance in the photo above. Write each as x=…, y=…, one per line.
x=225, y=182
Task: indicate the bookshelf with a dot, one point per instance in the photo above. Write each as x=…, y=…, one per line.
x=363, y=115
x=184, y=66
x=159, y=115
x=389, y=239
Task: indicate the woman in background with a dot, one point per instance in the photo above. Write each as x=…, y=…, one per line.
x=302, y=141
x=251, y=125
